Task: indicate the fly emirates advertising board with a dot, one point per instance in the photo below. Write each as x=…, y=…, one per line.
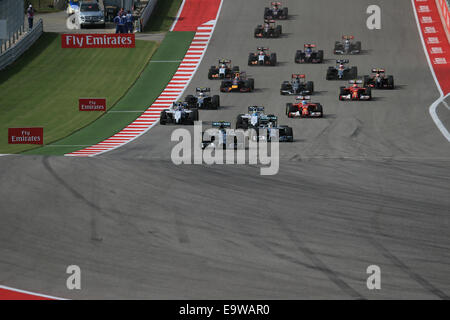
x=86, y=41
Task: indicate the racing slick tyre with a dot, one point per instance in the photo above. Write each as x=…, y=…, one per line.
x=251, y=58
x=289, y=132
x=257, y=31
x=320, y=109
x=193, y=116
x=358, y=46
x=290, y=108
x=266, y=13
x=369, y=92
x=341, y=92
x=390, y=82
x=163, y=118
x=310, y=86
x=330, y=74
x=285, y=13
x=366, y=81
x=210, y=74
x=190, y=99
x=353, y=74
x=298, y=56
x=251, y=84
x=215, y=102
x=240, y=124
x=273, y=59
x=279, y=30
x=320, y=56
x=223, y=86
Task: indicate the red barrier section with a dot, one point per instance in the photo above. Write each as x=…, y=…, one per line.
x=6, y=294
x=195, y=13
x=435, y=39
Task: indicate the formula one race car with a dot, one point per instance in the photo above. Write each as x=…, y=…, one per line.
x=265, y=126
x=304, y=108
x=276, y=11
x=223, y=71
x=379, y=80
x=341, y=72
x=347, y=46
x=179, y=113
x=203, y=99
x=250, y=119
x=239, y=83
x=309, y=55
x=223, y=138
x=355, y=92
x=268, y=128
x=268, y=30
x=262, y=58
x=297, y=86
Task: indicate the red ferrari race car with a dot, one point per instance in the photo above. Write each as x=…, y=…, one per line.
x=355, y=92
x=304, y=108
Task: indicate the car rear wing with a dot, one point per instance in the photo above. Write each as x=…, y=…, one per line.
x=221, y=124
x=355, y=81
x=255, y=108
x=298, y=76
x=262, y=49
x=303, y=97
x=348, y=37
x=203, y=89
x=269, y=21
x=378, y=70
x=224, y=61
x=275, y=3
x=309, y=45
x=343, y=61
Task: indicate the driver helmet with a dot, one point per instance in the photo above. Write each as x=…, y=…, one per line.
x=308, y=49
x=355, y=85
x=304, y=103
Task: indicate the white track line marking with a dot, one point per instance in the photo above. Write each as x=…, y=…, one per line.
x=432, y=109
x=178, y=15
x=30, y=293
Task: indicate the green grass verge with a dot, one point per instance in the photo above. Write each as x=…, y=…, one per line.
x=163, y=16
x=43, y=86
x=144, y=92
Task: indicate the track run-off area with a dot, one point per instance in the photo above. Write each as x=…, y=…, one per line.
x=366, y=185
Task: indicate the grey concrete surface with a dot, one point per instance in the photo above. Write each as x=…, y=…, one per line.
x=58, y=22
x=367, y=184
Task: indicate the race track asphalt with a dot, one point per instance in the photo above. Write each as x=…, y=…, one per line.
x=366, y=185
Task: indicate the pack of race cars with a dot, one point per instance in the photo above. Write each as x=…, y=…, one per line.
x=235, y=80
